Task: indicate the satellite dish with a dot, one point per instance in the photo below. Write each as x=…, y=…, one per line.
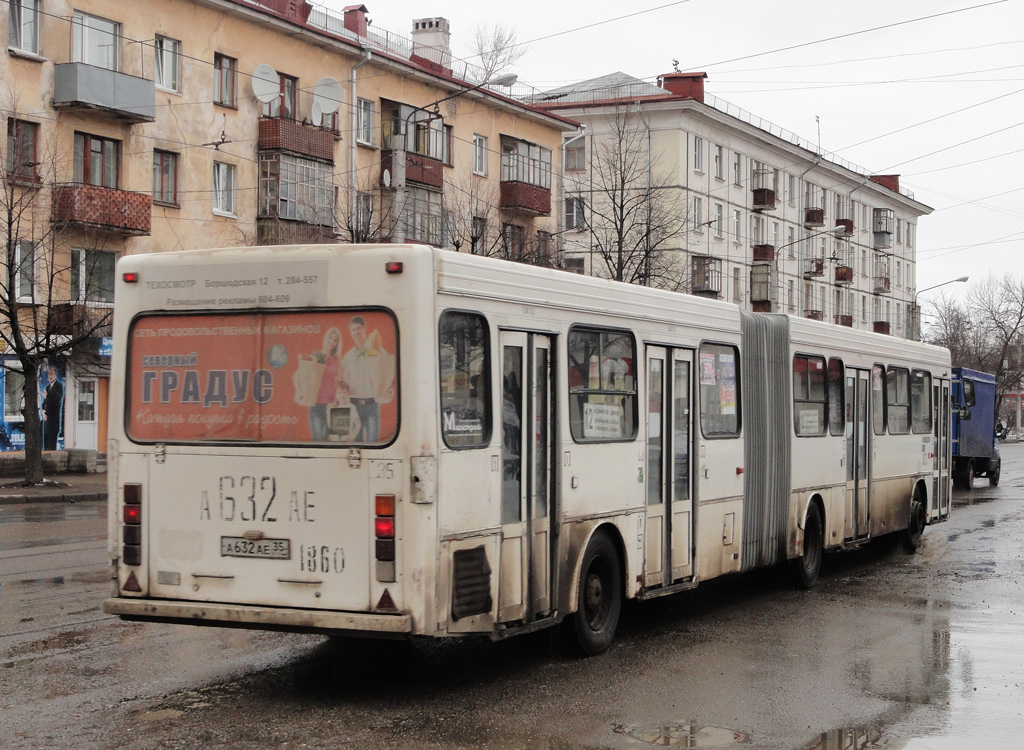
x=327, y=93
x=387, y=178
x=266, y=86
x=318, y=114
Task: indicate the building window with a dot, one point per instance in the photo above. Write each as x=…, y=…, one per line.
x=96, y=160
x=737, y=282
x=719, y=219
x=543, y=248
x=295, y=188
x=790, y=296
x=165, y=178
x=478, y=235
x=574, y=216
x=720, y=162
x=479, y=154
x=223, y=188
x=737, y=223
x=286, y=103
x=364, y=217
x=92, y=275
x=791, y=242
x=698, y=154
x=168, y=63
x=95, y=41
x=22, y=138
x=910, y=234
x=775, y=234
x=447, y=139
x=737, y=169
x=25, y=270
x=24, y=26
x=423, y=209
x=225, y=73
x=698, y=213
x=525, y=162
x=576, y=158
x=513, y=241
x=365, y=122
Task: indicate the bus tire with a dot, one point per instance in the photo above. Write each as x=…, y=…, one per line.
x=807, y=566
x=915, y=526
x=599, y=596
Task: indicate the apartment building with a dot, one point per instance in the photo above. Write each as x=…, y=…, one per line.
x=180, y=124
x=736, y=208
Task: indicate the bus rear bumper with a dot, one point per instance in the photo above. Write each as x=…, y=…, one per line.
x=263, y=618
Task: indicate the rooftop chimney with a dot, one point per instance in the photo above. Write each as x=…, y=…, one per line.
x=688, y=85
x=355, y=19
x=432, y=41
x=891, y=181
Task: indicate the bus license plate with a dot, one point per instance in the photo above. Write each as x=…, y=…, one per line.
x=271, y=549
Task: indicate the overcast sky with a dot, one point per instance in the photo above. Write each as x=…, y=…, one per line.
x=932, y=90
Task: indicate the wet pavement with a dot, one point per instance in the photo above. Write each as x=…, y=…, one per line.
x=888, y=651
x=57, y=488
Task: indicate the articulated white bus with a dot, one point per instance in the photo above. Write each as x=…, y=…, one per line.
x=395, y=440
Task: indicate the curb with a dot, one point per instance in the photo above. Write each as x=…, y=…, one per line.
x=70, y=498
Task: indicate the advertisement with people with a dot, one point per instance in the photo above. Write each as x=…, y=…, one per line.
x=292, y=377
x=51, y=389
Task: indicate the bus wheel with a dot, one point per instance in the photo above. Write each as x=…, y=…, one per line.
x=915, y=526
x=806, y=567
x=599, y=598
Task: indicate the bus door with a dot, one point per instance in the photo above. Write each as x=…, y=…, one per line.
x=527, y=441
x=858, y=454
x=941, y=405
x=668, y=537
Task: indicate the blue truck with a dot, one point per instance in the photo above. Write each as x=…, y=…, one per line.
x=975, y=445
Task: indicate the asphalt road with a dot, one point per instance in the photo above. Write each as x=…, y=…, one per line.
x=889, y=650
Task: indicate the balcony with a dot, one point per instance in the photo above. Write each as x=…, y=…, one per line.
x=814, y=314
x=814, y=267
x=281, y=134
x=81, y=86
x=847, y=224
x=764, y=306
x=764, y=252
x=763, y=199
x=882, y=285
x=521, y=196
x=420, y=169
x=120, y=211
x=844, y=275
x=882, y=326
x=78, y=319
x=814, y=217
x=844, y=320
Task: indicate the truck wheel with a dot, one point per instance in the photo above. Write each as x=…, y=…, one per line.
x=599, y=597
x=969, y=476
x=993, y=475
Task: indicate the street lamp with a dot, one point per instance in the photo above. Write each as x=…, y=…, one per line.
x=398, y=163
x=916, y=310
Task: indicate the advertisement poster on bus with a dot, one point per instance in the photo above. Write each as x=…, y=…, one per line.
x=288, y=377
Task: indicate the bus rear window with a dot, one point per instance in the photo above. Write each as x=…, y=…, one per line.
x=326, y=377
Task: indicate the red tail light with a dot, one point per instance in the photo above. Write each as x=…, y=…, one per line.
x=385, y=528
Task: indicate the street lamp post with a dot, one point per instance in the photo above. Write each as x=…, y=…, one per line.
x=838, y=229
x=916, y=309
x=401, y=155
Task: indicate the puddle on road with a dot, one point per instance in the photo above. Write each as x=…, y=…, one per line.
x=848, y=739
x=683, y=734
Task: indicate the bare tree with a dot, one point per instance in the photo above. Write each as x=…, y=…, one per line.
x=40, y=323
x=631, y=210
x=497, y=47
x=985, y=330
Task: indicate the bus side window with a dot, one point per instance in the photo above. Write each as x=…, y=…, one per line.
x=464, y=380
x=921, y=401
x=602, y=385
x=878, y=399
x=719, y=391
x=809, y=395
